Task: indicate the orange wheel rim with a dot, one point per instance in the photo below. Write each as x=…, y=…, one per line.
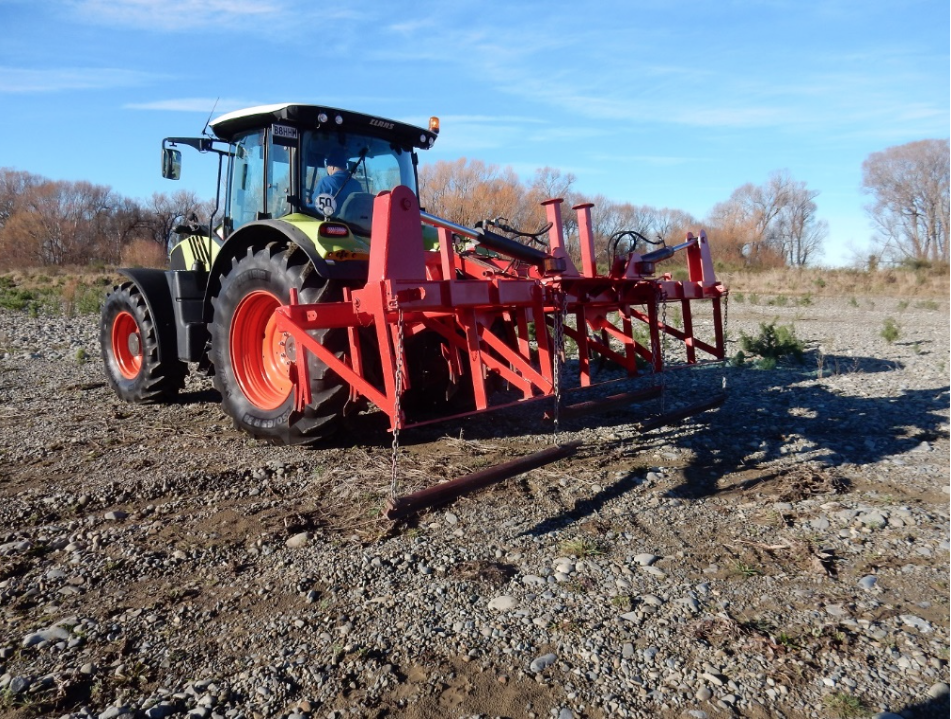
x=127, y=345
x=258, y=352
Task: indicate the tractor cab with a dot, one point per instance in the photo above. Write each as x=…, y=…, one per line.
x=289, y=159
x=307, y=166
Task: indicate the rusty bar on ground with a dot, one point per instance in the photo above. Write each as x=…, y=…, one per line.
x=674, y=417
x=606, y=403
x=441, y=493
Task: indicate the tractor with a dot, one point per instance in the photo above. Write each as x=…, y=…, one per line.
x=320, y=288
x=215, y=304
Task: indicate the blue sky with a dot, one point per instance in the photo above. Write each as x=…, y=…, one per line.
x=671, y=104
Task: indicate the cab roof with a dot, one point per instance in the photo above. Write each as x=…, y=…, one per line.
x=310, y=117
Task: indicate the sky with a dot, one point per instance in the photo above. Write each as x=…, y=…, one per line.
x=663, y=103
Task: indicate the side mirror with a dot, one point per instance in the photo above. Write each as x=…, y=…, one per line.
x=171, y=163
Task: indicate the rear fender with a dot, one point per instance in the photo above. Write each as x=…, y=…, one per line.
x=262, y=232
x=153, y=286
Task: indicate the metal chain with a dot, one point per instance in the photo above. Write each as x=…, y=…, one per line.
x=558, y=350
x=397, y=419
x=663, y=353
x=726, y=338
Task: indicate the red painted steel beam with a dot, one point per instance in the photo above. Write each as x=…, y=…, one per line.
x=409, y=504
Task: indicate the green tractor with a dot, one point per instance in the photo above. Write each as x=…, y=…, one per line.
x=298, y=185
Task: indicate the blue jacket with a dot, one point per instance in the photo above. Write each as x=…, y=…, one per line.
x=334, y=185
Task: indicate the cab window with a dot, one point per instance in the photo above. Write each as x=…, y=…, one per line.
x=246, y=196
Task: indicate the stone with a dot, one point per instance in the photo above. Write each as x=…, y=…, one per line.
x=301, y=539
x=868, y=581
x=936, y=691
x=503, y=603
x=542, y=663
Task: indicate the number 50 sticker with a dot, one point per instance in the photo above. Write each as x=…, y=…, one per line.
x=325, y=204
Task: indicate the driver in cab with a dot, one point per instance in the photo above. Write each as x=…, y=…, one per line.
x=338, y=184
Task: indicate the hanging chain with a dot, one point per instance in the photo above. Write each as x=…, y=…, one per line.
x=558, y=351
x=397, y=419
x=726, y=338
x=663, y=353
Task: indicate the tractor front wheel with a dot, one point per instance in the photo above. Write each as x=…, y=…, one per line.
x=254, y=361
x=130, y=351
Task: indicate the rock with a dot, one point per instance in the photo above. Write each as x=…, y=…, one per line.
x=161, y=710
x=917, y=622
x=116, y=515
x=715, y=679
x=53, y=634
x=115, y=711
x=18, y=685
x=504, y=603
x=936, y=691
x=868, y=581
x=301, y=539
x=541, y=663
x=645, y=560
x=704, y=694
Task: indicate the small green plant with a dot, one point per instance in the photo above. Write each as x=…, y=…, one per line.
x=622, y=602
x=804, y=301
x=819, y=282
x=754, y=299
x=903, y=305
x=779, y=301
x=775, y=343
x=581, y=547
x=926, y=305
x=787, y=640
x=746, y=570
x=890, y=332
x=853, y=302
x=738, y=296
x=81, y=356
x=846, y=706
x=738, y=359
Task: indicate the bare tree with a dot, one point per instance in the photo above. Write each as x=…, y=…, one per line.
x=770, y=224
x=799, y=231
x=910, y=187
x=163, y=212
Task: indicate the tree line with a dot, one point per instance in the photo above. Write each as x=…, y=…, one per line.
x=47, y=222
x=54, y=222
x=773, y=224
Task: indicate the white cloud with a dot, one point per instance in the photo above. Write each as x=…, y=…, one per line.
x=192, y=104
x=26, y=80
x=185, y=15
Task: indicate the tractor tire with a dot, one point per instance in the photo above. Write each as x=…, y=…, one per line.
x=128, y=338
x=251, y=360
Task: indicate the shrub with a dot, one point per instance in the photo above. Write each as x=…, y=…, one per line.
x=773, y=343
x=144, y=253
x=890, y=332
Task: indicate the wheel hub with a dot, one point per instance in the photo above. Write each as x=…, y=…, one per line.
x=260, y=354
x=127, y=345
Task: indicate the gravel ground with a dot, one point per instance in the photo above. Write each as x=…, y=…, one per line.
x=783, y=556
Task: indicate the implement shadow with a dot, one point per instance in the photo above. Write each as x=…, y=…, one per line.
x=776, y=406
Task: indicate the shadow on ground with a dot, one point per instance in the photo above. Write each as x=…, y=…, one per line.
x=772, y=409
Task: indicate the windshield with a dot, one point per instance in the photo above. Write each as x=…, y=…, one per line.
x=341, y=173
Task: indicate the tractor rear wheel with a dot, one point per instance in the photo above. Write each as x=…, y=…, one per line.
x=130, y=351
x=253, y=360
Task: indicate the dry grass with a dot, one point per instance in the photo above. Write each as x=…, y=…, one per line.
x=924, y=283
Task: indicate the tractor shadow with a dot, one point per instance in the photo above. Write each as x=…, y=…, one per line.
x=764, y=413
